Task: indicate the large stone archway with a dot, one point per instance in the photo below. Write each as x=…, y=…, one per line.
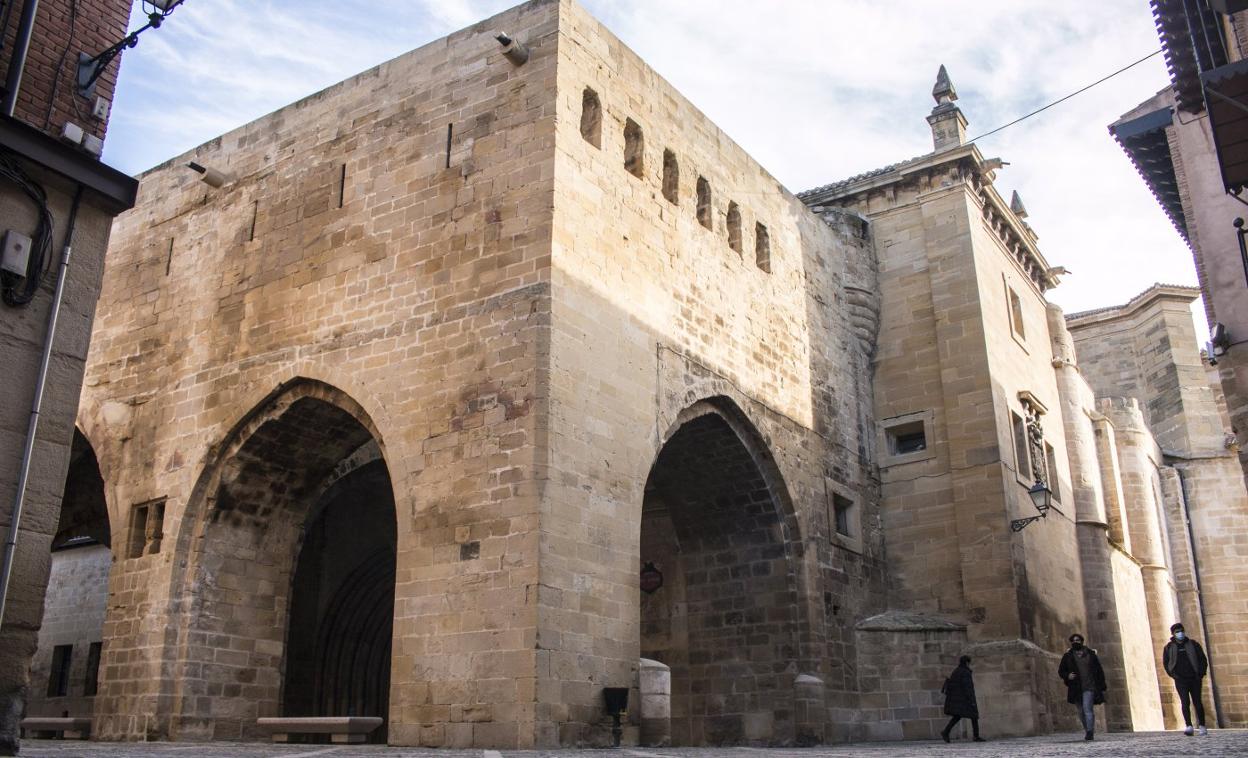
x=727, y=619
x=66, y=667
x=291, y=520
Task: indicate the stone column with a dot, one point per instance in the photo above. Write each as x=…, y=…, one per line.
x=1137, y=457
x=655, y=689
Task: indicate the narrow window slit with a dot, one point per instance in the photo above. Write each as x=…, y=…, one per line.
x=255, y=211
x=671, y=177
x=634, y=147
x=169, y=257
x=734, y=226
x=704, y=202
x=762, y=248
x=342, y=186
x=591, y=118
x=449, y=132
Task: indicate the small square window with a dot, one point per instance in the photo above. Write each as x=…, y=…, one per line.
x=907, y=438
x=904, y=439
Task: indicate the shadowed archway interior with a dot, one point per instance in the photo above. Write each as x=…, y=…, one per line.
x=342, y=603
x=725, y=619
x=294, y=596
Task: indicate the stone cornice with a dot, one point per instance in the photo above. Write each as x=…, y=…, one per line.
x=1182, y=293
x=963, y=164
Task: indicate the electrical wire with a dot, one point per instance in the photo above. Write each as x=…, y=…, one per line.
x=1064, y=99
x=60, y=67
x=20, y=290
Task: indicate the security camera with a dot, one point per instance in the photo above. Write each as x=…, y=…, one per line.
x=210, y=176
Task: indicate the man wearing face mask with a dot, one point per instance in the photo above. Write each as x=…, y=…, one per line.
x=1186, y=664
x=1081, y=670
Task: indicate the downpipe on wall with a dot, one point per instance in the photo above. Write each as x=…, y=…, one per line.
x=1200, y=603
x=19, y=501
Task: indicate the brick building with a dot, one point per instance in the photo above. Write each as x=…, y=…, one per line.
x=461, y=351
x=55, y=196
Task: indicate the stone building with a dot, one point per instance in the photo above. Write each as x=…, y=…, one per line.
x=496, y=375
x=55, y=197
x=1186, y=142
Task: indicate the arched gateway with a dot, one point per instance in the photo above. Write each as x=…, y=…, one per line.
x=290, y=571
x=718, y=537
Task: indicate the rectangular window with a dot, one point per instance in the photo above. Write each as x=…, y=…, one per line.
x=843, y=509
x=1050, y=460
x=1016, y=314
x=147, y=528
x=92, y=683
x=1022, y=460
x=58, y=679
x=907, y=438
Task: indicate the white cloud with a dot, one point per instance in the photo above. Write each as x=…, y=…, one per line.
x=816, y=91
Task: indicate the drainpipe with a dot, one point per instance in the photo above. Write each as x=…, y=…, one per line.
x=17, y=64
x=10, y=544
x=1200, y=605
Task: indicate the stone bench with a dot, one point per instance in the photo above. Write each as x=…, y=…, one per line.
x=348, y=729
x=63, y=727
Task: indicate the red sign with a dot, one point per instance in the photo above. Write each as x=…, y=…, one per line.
x=651, y=578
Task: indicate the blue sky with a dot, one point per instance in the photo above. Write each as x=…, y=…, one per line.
x=815, y=90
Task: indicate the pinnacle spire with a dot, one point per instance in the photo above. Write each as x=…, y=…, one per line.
x=1016, y=205
x=944, y=91
x=947, y=122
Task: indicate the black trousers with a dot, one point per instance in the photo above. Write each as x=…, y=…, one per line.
x=1189, y=689
x=955, y=719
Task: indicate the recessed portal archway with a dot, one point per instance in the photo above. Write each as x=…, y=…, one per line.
x=726, y=619
x=66, y=666
x=292, y=574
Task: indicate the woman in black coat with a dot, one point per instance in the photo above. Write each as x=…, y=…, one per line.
x=960, y=702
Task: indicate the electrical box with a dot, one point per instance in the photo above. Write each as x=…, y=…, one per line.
x=16, y=249
x=101, y=107
x=71, y=132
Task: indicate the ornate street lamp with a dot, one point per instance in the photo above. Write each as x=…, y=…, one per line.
x=1041, y=497
x=90, y=67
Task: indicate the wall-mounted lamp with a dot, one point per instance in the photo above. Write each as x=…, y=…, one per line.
x=512, y=49
x=90, y=67
x=1219, y=341
x=210, y=176
x=1041, y=497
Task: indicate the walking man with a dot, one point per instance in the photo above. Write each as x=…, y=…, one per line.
x=1081, y=670
x=1186, y=664
x=960, y=702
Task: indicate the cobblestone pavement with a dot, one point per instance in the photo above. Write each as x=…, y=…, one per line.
x=1220, y=742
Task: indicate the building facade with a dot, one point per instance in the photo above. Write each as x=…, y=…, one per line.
x=55, y=198
x=1185, y=141
x=497, y=375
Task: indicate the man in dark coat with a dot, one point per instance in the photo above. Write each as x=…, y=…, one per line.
x=1186, y=664
x=960, y=702
x=1081, y=670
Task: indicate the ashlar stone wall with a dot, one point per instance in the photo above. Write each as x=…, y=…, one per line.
x=695, y=296
x=352, y=284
